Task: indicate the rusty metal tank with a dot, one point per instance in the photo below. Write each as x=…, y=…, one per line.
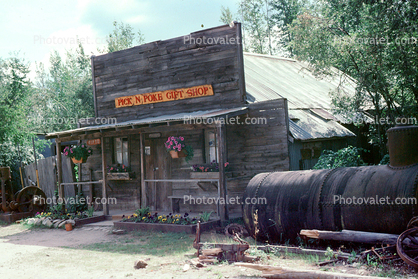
x=371, y=198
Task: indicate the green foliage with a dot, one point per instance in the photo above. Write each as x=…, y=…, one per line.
x=226, y=15
x=122, y=37
x=80, y=151
x=77, y=204
x=63, y=95
x=385, y=160
x=141, y=212
x=253, y=17
x=346, y=157
x=205, y=216
x=284, y=12
x=190, y=153
x=371, y=42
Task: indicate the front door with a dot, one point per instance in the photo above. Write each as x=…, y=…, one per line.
x=158, y=166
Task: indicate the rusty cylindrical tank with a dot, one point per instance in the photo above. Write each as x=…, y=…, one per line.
x=370, y=198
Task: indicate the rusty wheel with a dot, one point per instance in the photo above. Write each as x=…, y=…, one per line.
x=31, y=199
x=407, y=246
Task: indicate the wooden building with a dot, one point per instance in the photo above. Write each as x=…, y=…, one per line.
x=192, y=86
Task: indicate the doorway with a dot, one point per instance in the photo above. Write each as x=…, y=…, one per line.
x=157, y=166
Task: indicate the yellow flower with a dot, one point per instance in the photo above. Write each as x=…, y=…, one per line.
x=129, y=217
x=164, y=220
x=160, y=217
x=143, y=218
x=172, y=222
x=135, y=215
x=177, y=220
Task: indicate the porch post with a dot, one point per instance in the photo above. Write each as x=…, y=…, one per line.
x=59, y=168
x=143, y=186
x=223, y=207
x=104, y=170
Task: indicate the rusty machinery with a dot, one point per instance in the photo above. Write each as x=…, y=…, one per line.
x=324, y=199
x=29, y=199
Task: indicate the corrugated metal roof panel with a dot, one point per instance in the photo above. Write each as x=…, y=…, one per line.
x=297, y=132
x=158, y=119
x=269, y=77
x=316, y=127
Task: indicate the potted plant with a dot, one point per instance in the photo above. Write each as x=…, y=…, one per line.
x=177, y=148
x=119, y=172
x=78, y=153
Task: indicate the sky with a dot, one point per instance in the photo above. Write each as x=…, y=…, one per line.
x=35, y=28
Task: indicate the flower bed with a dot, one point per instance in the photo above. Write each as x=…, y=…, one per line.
x=191, y=229
x=142, y=219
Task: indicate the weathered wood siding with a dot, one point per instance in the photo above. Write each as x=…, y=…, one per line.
x=127, y=193
x=257, y=148
x=47, y=172
x=172, y=64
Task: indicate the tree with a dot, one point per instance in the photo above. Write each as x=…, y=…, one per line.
x=64, y=94
x=253, y=18
x=226, y=15
x=15, y=89
x=363, y=40
x=16, y=131
x=122, y=37
x=284, y=12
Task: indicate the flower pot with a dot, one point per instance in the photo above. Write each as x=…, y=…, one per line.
x=75, y=161
x=68, y=227
x=118, y=176
x=174, y=154
x=178, y=154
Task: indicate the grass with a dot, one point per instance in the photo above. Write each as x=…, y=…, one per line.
x=147, y=243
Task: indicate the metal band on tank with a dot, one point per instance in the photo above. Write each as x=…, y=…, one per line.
x=320, y=203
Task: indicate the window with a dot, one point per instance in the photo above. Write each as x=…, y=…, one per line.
x=121, y=151
x=211, y=146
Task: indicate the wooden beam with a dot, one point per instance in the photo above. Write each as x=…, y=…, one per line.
x=104, y=170
x=220, y=137
x=94, y=86
x=59, y=169
x=143, y=186
x=352, y=236
x=240, y=58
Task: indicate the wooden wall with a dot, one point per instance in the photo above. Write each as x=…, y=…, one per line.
x=127, y=193
x=47, y=172
x=171, y=64
x=253, y=149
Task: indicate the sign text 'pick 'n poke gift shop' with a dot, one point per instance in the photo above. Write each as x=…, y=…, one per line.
x=189, y=88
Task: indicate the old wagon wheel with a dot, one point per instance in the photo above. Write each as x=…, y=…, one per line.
x=413, y=222
x=407, y=246
x=31, y=199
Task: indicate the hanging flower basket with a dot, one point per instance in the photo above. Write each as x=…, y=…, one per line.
x=78, y=153
x=178, y=154
x=178, y=149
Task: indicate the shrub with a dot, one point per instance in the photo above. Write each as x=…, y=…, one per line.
x=346, y=157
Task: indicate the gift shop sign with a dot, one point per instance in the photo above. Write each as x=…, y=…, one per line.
x=164, y=96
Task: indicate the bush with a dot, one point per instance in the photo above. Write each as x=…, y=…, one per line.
x=346, y=157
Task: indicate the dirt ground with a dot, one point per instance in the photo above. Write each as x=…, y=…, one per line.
x=94, y=252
